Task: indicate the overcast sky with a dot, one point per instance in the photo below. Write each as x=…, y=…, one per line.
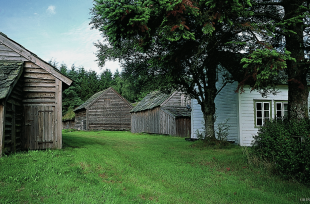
x=54, y=29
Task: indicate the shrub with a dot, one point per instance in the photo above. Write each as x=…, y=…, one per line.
x=277, y=143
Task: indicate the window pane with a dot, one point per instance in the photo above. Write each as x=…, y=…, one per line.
x=266, y=114
x=259, y=106
x=266, y=106
x=259, y=114
x=279, y=114
x=279, y=106
x=259, y=121
x=285, y=113
x=285, y=106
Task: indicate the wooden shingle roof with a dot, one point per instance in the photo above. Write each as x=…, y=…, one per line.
x=10, y=72
x=177, y=111
x=150, y=101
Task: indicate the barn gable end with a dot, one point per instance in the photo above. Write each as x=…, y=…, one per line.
x=105, y=110
x=30, y=113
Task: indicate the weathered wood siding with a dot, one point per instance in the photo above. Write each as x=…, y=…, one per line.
x=147, y=121
x=42, y=108
x=80, y=120
x=68, y=124
x=13, y=116
x=109, y=112
x=183, y=126
x=154, y=121
x=8, y=54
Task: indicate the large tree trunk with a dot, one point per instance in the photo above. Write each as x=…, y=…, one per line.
x=297, y=71
x=208, y=105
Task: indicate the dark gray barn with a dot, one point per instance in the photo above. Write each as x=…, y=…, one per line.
x=162, y=113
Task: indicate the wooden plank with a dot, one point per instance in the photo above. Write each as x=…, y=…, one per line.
x=31, y=65
x=9, y=53
x=38, y=76
x=39, y=89
x=39, y=95
x=58, y=115
x=12, y=58
x=4, y=48
x=2, y=127
x=31, y=80
x=25, y=53
x=35, y=70
x=39, y=101
x=40, y=84
x=13, y=131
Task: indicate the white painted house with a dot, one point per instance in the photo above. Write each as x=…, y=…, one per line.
x=245, y=111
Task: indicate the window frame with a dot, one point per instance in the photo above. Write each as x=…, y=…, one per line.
x=255, y=111
x=282, y=108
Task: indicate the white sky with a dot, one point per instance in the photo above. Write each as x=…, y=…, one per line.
x=54, y=29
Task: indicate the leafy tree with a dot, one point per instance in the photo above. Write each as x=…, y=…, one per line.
x=288, y=23
x=179, y=42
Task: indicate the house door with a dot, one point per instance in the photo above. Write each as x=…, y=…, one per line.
x=39, y=127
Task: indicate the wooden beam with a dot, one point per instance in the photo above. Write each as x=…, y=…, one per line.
x=58, y=115
x=39, y=89
x=25, y=53
x=39, y=76
x=2, y=126
x=39, y=100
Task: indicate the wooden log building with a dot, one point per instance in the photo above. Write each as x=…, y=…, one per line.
x=30, y=100
x=162, y=113
x=105, y=110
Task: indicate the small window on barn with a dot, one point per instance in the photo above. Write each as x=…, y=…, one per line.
x=281, y=109
x=262, y=112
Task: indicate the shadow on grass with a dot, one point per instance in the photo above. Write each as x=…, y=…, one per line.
x=80, y=141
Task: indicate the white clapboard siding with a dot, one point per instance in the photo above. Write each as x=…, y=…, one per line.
x=226, y=103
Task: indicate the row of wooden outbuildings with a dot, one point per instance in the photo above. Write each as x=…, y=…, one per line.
x=158, y=113
x=31, y=105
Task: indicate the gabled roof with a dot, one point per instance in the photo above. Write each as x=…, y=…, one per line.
x=33, y=58
x=89, y=101
x=96, y=96
x=10, y=71
x=177, y=111
x=150, y=101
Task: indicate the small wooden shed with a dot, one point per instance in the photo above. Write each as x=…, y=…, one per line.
x=30, y=100
x=105, y=110
x=162, y=113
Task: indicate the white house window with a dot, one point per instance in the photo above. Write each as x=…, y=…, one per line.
x=281, y=109
x=262, y=112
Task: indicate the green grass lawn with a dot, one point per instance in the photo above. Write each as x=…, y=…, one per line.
x=121, y=167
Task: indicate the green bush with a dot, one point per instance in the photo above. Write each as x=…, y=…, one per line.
x=277, y=144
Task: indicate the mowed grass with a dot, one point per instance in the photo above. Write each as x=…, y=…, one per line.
x=121, y=167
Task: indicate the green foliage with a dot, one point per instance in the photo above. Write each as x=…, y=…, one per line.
x=69, y=115
x=290, y=155
x=264, y=66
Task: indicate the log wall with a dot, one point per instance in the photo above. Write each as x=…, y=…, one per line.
x=80, y=120
x=68, y=124
x=42, y=108
x=109, y=112
x=153, y=121
x=13, y=120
